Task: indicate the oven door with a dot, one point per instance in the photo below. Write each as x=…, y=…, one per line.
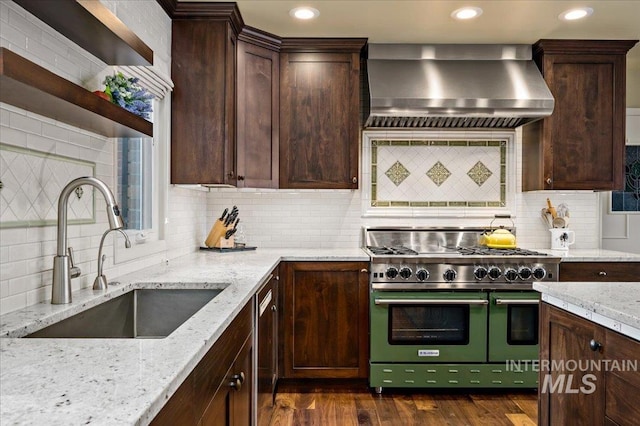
x=428, y=326
x=513, y=326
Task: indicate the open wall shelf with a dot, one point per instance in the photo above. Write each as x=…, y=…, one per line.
x=93, y=27
x=31, y=87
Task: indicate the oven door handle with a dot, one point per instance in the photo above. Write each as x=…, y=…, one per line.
x=431, y=302
x=517, y=302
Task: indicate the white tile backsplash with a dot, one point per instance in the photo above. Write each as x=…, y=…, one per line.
x=326, y=218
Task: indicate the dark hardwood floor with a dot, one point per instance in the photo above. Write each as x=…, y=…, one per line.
x=356, y=405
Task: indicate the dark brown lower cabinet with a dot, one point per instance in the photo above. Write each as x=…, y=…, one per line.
x=219, y=389
x=573, y=390
x=325, y=314
x=599, y=271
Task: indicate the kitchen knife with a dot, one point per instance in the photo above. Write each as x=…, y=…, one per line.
x=232, y=216
x=224, y=213
x=229, y=233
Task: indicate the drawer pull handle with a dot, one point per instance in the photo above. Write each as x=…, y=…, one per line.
x=594, y=345
x=602, y=273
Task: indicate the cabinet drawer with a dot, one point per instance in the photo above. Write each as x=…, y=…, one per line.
x=599, y=271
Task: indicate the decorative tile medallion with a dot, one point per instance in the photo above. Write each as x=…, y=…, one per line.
x=438, y=173
x=32, y=182
x=397, y=173
x=629, y=199
x=479, y=173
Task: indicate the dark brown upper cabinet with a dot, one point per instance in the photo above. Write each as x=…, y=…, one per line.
x=581, y=145
x=319, y=113
x=258, y=90
x=203, y=103
x=93, y=27
x=225, y=102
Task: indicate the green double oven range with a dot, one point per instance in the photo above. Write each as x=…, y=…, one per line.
x=447, y=313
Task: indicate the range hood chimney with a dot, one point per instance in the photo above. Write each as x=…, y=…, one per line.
x=454, y=86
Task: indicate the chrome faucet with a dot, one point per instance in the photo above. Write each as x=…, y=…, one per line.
x=63, y=267
x=100, y=283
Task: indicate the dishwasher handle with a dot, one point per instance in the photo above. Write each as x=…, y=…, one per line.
x=431, y=302
x=517, y=302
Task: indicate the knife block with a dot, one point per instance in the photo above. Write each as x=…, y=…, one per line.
x=222, y=243
x=217, y=232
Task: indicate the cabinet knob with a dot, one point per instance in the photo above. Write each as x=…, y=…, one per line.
x=364, y=271
x=602, y=273
x=354, y=179
x=240, y=177
x=231, y=174
x=237, y=380
x=274, y=308
x=548, y=181
x=594, y=345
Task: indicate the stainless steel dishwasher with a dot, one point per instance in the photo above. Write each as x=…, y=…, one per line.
x=267, y=347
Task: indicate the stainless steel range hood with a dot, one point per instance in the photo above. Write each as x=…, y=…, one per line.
x=454, y=86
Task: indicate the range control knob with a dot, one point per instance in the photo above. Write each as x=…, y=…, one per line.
x=511, y=274
x=539, y=273
x=480, y=272
x=405, y=273
x=392, y=272
x=494, y=272
x=449, y=275
x=524, y=272
x=422, y=274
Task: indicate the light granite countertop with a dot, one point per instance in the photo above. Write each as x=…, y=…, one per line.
x=593, y=255
x=615, y=305
x=127, y=381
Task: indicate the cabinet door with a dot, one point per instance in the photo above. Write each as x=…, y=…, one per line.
x=258, y=116
x=599, y=271
x=326, y=320
x=203, y=67
x=319, y=129
x=567, y=395
x=231, y=404
x=587, y=126
x=622, y=384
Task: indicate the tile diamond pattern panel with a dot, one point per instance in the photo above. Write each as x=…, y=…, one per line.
x=397, y=173
x=31, y=183
x=439, y=173
x=479, y=173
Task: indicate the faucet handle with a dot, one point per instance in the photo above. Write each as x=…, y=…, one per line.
x=74, y=271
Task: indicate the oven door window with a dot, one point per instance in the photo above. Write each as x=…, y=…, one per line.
x=420, y=324
x=522, y=325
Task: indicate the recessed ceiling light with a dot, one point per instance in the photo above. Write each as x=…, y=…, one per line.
x=304, y=13
x=466, y=13
x=573, y=14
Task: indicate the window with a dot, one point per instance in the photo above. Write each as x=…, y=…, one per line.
x=140, y=170
x=135, y=182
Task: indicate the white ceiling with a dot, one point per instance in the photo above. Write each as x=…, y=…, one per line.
x=429, y=21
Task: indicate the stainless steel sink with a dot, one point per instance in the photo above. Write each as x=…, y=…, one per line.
x=140, y=314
